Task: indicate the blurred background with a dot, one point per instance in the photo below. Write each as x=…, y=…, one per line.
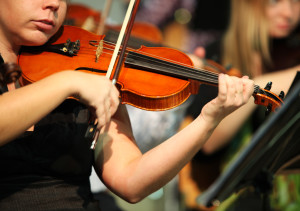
x=117, y=8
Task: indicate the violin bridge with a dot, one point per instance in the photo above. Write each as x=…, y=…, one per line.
x=99, y=50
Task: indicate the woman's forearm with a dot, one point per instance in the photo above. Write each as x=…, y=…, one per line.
x=23, y=107
x=160, y=164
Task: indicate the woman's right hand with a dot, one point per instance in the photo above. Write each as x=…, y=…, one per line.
x=46, y=94
x=98, y=92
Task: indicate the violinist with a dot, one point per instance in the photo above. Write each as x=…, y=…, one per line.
x=45, y=158
x=261, y=41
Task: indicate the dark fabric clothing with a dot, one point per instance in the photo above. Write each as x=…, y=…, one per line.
x=285, y=52
x=50, y=164
x=107, y=202
x=49, y=168
x=2, y=87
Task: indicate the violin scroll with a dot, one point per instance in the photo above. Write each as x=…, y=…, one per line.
x=267, y=98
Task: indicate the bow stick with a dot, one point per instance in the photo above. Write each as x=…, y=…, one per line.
x=127, y=24
x=130, y=14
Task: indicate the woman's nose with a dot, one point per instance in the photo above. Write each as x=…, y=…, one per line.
x=51, y=4
x=287, y=9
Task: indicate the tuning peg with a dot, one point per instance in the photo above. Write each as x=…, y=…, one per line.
x=77, y=45
x=281, y=95
x=67, y=43
x=268, y=86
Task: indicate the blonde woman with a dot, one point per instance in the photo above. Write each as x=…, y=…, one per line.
x=254, y=31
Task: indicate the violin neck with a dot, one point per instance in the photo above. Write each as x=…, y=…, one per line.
x=151, y=64
x=160, y=66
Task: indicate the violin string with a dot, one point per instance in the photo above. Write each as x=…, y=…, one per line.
x=202, y=75
x=184, y=67
x=179, y=70
x=214, y=75
x=166, y=59
x=112, y=45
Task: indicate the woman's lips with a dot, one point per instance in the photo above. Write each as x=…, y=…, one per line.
x=44, y=25
x=284, y=26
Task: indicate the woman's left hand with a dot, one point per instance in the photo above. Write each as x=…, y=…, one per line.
x=233, y=93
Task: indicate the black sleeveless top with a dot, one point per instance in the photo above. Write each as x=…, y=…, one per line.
x=49, y=168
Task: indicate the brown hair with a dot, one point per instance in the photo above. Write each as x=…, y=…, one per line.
x=9, y=72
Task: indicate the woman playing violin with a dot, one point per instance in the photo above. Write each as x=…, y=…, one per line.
x=48, y=167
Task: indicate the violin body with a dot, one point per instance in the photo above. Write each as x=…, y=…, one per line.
x=143, y=89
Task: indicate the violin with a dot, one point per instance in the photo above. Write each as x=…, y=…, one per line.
x=86, y=18
x=82, y=16
x=151, y=78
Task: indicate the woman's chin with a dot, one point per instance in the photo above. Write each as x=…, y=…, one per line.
x=36, y=40
x=281, y=33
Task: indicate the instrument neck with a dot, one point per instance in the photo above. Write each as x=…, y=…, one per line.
x=155, y=65
x=151, y=64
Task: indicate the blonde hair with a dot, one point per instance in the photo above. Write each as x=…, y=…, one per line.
x=247, y=35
